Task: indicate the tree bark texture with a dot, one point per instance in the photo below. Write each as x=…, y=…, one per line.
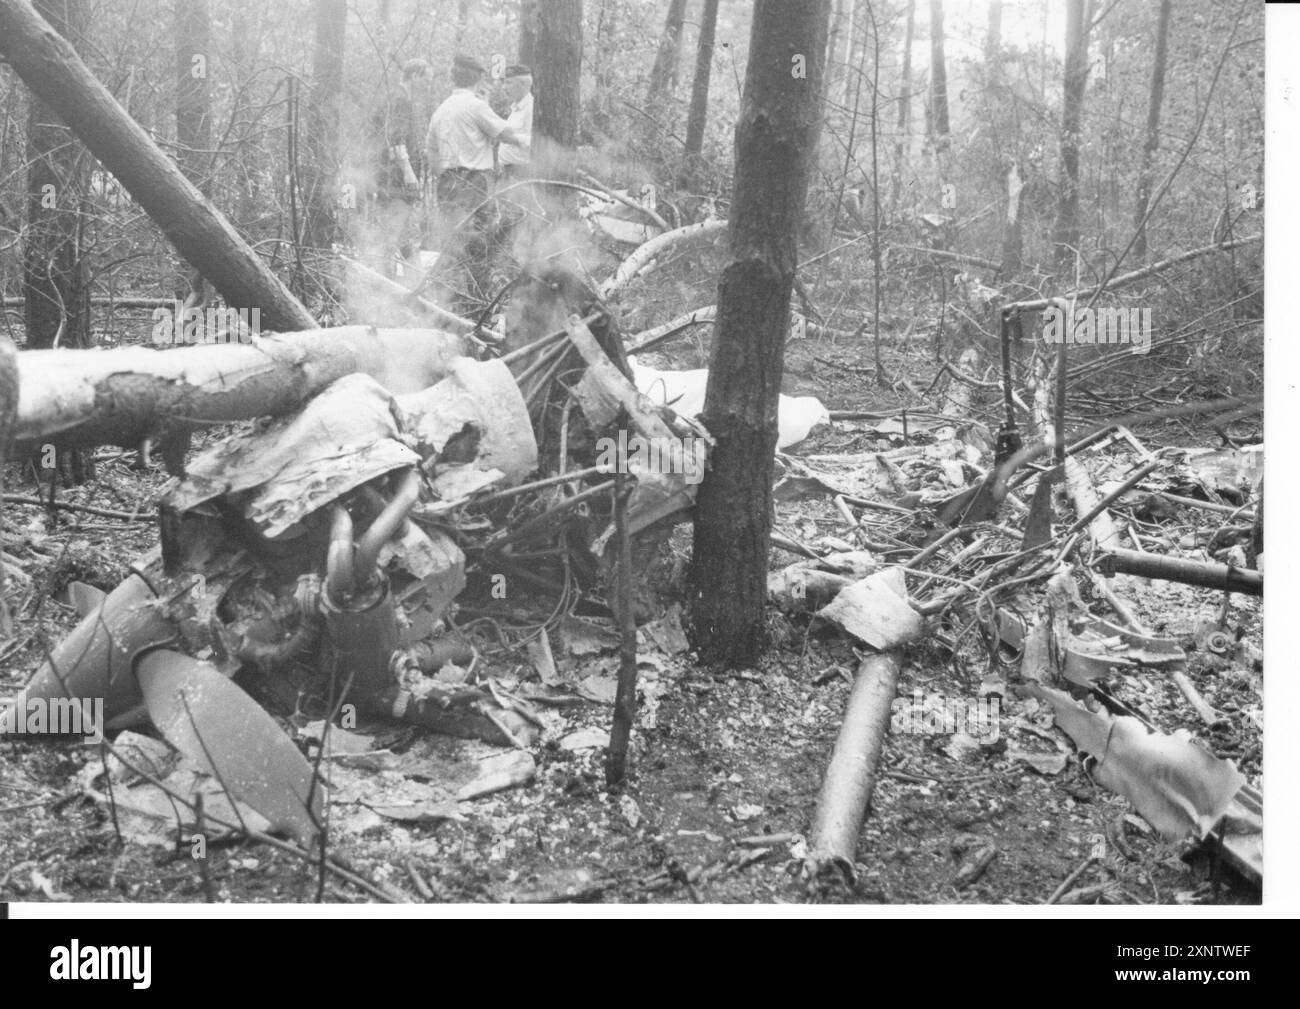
x=776, y=144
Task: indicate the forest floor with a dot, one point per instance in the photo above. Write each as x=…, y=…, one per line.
x=725, y=768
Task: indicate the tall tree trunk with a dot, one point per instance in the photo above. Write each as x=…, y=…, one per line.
x=464, y=14
x=776, y=144
x=56, y=287
x=194, y=113
x=938, y=79
x=1152, y=143
x=1012, y=240
x=852, y=52
x=320, y=188
x=1065, y=233
x=558, y=74
x=837, y=65
x=528, y=19
x=668, y=58
x=993, y=41
x=606, y=33
x=904, y=103
x=699, y=114
x=244, y=46
x=193, y=94
x=52, y=70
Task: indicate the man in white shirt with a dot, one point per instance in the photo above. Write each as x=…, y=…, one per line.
x=459, y=144
x=519, y=88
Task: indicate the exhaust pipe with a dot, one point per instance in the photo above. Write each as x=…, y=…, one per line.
x=360, y=616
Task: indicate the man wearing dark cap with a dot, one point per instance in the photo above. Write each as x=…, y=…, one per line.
x=519, y=88
x=459, y=142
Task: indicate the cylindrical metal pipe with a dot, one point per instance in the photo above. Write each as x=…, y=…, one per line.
x=363, y=636
x=388, y=522
x=340, y=569
x=1176, y=569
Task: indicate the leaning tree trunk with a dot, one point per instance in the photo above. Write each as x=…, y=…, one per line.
x=1152, y=143
x=776, y=144
x=56, y=286
x=699, y=113
x=558, y=74
x=1065, y=232
x=49, y=66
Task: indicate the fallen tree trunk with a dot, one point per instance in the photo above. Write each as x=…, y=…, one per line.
x=1146, y=271
x=108, y=301
x=851, y=776
x=1176, y=569
x=49, y=66
x=644, y=255
x=123, y=396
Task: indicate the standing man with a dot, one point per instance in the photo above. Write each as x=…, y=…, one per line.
x=459, y=145
x=401, y=161
x=515, y=161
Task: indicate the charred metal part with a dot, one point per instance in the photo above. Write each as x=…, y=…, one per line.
x=390, y=520
x=1009, y=441
x=1175, y=569
x=269, y=654
x=363, y=635
x=430, y=656
x=340, y=577
x=307, y=593
x=1219, y=643
x=97, y=659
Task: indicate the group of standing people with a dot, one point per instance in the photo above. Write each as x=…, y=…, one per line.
x=455, y=152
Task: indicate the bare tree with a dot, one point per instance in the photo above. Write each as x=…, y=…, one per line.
x=1065, y=232
x=194, y=111
x=56, y=289
x=559, y=63
x=51, y=68
x=836, y=65
x=193, y=94
x=320, y=191
x=938, y=79
x=1152, y=143
x=699, y=114
x=776, y=144
x=668, y=58
x=993, y=41
x=528, y=16
x=904, y=102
